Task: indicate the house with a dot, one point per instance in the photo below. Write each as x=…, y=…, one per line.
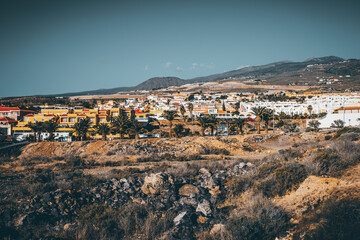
x=6, y=125
x=14, y=112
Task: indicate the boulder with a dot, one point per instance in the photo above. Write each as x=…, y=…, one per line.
x=204, y=207
x=154, y=183
x=188, y=190
x=179, y=217
x=217, y=229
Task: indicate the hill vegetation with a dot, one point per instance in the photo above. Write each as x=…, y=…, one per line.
x=295, y=185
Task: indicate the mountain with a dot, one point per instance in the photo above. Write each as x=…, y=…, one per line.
x=160, y=82
x=283, y=72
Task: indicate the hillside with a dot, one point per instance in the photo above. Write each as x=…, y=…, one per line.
x=292, y=186
x=283, y=73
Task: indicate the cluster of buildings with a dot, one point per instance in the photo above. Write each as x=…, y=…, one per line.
x=345, y=106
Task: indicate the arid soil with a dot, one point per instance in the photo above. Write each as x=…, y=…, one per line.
x=235, y=187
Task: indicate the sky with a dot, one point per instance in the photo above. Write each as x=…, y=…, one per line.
x=60, y=46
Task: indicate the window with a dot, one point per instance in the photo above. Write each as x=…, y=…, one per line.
x=115, y=113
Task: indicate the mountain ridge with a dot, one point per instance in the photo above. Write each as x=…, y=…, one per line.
x=336, y=65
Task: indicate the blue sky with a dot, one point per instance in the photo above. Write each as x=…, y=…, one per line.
x=63, y=46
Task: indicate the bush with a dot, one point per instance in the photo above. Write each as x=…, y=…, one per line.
x=346, y=130
x=329, y=162
x=338, y=218
x=103, y=222
x=239, y=184
x=259, y=219
x=284, y=178
x=217, y=151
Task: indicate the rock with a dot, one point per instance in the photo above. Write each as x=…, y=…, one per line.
x=217, y=229
x=179, y=217
x=215, y=191
x=188, y=190
x=187, y=201
x=67, y=226
x=205, y=172
x=204, y=207
x=153, y=184
x=202, y=219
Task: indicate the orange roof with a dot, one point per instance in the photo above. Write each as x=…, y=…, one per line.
x=6, y=119
x=348, y=108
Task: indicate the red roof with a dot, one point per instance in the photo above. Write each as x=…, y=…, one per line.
x=6, y=119
x=9, y=109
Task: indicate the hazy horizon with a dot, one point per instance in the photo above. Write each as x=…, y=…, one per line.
x=70, y=46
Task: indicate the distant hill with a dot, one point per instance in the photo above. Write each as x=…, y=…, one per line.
x=160, y=82
x=279, y=72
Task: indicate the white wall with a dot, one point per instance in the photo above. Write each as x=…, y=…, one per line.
x=329, y=119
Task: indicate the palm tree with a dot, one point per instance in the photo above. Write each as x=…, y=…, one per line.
x=314, y=125
x=37, y=128
x=170, y=116
x=258, y=112
x=236, y=107
x=338, y=124
x=239, y=124
x=136, y=128
x=203, y=123
x=51, y=127
x=121, y=124
x=212, y=123
x=178, y=130
x=103, y=129
x=267, y=115
x=310, y=108
x=82, y=127
x=182, y=112
x=191, y=108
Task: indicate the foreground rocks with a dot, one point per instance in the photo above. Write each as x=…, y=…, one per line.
x=194, y=200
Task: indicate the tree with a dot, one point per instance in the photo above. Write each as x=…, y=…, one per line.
x=182, y=112
x=37, y=128
x=212, y=122
x=136, y=128
x=203, y=123
x=258, y=112
x=310, y=108
x=51, y=127
x=267, y=116
x=121, y=124
x=338, y=124
x=314, y=125
x=236, y=107
x=170, y=116
x=178, y=130
x=103, y=129
x=238, y=123
x=82, y=127
x=191, y=108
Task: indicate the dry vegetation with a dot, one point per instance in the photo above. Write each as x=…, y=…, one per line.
x=292, y=186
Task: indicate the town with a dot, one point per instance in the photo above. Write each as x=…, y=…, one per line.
x=180, y=114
